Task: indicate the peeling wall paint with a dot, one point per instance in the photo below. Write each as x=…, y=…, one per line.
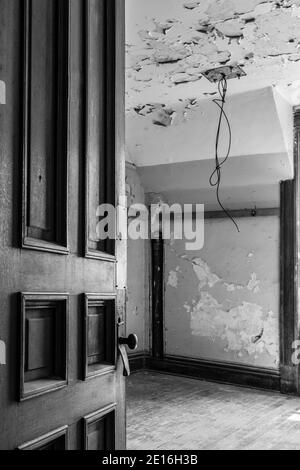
x=137, y=308
x=204, y=274
x=224, y=304
x=170, y=44
x=253, y=284
x=173, y=278
x=244, y=328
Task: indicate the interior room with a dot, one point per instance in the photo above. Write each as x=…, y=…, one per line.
x=220, y=315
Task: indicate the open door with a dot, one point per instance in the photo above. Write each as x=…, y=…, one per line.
x=62, y=290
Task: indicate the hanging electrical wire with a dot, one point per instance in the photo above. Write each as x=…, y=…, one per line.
x=215, y=179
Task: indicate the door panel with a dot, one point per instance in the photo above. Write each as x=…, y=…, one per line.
x=58, y=165
x=100, y=334
x=99, y=429
x=99, y=99
x=56, y=440
x=45, y=110
x=44, y=343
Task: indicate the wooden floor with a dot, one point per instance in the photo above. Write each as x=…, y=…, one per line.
x=173, y=413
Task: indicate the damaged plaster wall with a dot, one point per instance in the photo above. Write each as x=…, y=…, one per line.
x=137, y=309
x=222, y=303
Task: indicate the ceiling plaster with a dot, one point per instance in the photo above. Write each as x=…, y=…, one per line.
x=169, y=44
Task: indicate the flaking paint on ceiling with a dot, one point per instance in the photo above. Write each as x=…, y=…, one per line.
x=171, y=42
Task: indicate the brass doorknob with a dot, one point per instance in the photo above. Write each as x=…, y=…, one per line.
x=132, y=342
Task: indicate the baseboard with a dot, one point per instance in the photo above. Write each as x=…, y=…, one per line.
x=288, y=380
x=223, y=372
x=137, y=361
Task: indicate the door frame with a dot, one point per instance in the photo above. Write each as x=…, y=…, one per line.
x=289, y=270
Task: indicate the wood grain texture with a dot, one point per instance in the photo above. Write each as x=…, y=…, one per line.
x=100, y=335
x=224, y=372
x=120, y=193
x=44, y=125
x=44, y=270
x=216, y=371
x=55, y=440
x=100, y=429
x=157, y=297
x=289, y=270
x=176, y=413
x=99, y=134
x=44, y=347
x=287, y=286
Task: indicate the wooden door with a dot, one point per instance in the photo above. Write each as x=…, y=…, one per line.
x=62, y=290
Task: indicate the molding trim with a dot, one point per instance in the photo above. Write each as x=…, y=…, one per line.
x=100, y=67
x=214, y=371
x=266, y=212
x=157, y=289
x=289, y=270
x=288, y=288
x=138, y=361
x=49, y=235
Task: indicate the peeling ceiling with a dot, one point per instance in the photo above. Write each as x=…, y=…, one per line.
x=171, y=42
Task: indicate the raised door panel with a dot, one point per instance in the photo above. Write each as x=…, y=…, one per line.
x=44, y=344
x=99, y=429
x=99, y=334
x=45, y=106
x=55, y=440
x=99, y=127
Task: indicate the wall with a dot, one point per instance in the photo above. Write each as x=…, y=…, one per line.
x=222, y=303
x=138, y=270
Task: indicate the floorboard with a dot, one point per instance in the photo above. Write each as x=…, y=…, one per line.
x=166, y=412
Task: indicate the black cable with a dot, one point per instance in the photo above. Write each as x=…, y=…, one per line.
x=220, y=102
